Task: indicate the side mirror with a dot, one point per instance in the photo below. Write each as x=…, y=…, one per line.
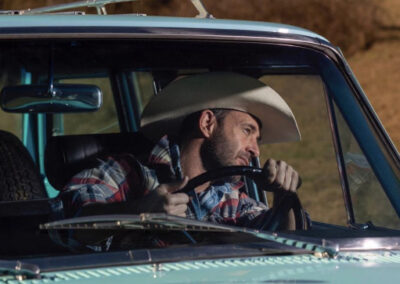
x=61, y=98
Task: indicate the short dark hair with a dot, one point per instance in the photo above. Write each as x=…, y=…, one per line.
x=189, y=124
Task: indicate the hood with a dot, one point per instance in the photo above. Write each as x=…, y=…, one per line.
x=365, y=267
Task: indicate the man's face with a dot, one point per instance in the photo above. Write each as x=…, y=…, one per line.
x=233, y=142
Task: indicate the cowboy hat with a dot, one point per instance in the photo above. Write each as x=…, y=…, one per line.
x=166, y=111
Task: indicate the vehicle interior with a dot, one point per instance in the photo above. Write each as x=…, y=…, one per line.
x=342, y=191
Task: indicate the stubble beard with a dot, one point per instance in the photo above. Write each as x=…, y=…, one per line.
x=217, y=152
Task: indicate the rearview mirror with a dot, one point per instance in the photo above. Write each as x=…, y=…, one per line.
x=59, y=99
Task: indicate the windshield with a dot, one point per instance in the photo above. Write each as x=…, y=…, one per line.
x=344, y=176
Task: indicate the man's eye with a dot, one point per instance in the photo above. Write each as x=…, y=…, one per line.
x=247, y=131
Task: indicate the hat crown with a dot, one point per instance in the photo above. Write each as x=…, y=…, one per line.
x=166, y=111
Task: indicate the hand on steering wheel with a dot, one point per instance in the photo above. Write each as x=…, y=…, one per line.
x=288, y=200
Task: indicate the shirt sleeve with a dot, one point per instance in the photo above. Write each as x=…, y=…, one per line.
x=110, y=181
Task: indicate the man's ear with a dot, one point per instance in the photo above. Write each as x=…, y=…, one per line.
x=207, y=123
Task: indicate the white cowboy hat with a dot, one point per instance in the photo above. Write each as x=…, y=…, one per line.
x=166, y=111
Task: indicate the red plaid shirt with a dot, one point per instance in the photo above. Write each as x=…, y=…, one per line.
x=119, y=178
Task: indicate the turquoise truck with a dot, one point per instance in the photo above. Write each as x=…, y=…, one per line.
x=74, y=85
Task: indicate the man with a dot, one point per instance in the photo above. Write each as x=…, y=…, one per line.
x=201, y=123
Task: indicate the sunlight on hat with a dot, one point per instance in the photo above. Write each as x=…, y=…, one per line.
x=165, y=113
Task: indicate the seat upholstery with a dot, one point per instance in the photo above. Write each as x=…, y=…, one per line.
x=68, y=155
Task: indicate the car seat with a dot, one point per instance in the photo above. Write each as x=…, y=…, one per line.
x=68, y=155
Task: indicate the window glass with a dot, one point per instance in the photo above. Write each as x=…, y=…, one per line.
x=370, y=204
x=314, y=156
x=105, y=120
x=144, y=88
x=11, y=122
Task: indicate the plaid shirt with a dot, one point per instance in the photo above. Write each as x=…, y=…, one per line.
x=120, y=178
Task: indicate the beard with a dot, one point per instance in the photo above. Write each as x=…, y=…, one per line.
x=218, y=152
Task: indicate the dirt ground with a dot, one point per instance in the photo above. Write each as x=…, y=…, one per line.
x=378, y=70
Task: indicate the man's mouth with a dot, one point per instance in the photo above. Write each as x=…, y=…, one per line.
x=243, y=161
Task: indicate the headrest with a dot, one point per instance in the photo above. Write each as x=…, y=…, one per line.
x=68, y=155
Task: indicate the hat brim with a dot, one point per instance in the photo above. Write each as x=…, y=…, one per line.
x=166, y=111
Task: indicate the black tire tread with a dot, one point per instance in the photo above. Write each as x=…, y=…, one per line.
x=19, y=176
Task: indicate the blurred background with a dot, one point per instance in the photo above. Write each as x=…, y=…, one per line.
x=367, y=31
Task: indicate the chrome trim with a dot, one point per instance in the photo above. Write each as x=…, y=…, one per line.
x=148, y=36
x=21, y=270
x=368, y=244
x=161, y=33
x=376, y=238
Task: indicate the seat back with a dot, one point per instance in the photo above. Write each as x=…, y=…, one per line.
x=68, y=155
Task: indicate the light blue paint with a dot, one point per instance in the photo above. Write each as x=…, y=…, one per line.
x=26, y=78
x=30, y=21
x=51, y=191
x=363, y=267
x=27, y=122
x=132, y=123
x=41, y=121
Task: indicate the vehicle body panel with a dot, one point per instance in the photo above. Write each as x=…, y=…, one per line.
x=361, y=261
x=132, y=21
x=369, y=267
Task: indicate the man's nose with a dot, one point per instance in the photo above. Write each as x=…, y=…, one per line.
x=254, y=149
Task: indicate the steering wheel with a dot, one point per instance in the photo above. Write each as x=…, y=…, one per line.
x=277, y=214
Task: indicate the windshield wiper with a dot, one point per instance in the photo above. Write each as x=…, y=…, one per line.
x=20, y=270
x=159, y=221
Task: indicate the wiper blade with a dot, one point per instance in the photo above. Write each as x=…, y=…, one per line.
x=21, y=270
x=160, y=221
x=145, y=221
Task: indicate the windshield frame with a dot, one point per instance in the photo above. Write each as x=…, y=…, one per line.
x=333, y=58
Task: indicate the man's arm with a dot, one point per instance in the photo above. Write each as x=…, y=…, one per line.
x=161, y=200
x=106, y=190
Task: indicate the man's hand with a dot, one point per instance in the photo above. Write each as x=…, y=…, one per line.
x=164, y=200
x=281, y=176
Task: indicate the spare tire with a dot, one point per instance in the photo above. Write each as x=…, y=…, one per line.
x=19, y=177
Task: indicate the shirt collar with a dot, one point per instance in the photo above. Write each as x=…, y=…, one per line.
x=167, y=154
